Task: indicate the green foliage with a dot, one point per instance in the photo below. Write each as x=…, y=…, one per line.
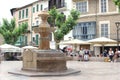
x=63, y=26
x=58, y=35
x=75, y=14
x=64, y=29
x=53, y=14
x=117, y=2
x=59, y=20
x=10, y=32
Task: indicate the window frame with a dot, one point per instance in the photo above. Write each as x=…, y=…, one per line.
x=100, y=9
x=100, y=27
x=82, y=2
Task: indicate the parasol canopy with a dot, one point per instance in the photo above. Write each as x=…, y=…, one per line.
x=73, y=42
x=102, y=41
x=9, y=48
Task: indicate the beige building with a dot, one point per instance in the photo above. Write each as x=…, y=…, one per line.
x=29, y=13
x=97, y=18
x=102, y=14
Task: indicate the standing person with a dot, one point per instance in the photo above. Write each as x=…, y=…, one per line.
x=111, y=54
x=81, y=54
x=86, y=54
x=116, y=55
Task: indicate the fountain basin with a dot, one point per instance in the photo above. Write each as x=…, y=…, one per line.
x=44, y=61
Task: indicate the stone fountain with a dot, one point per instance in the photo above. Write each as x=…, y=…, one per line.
x=44, y=61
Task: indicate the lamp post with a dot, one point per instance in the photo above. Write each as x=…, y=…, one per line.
x=117, y=26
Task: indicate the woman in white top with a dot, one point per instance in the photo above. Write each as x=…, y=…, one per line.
x=111, y=54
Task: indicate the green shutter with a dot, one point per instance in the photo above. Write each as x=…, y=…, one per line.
x=41, y=7
x=25, y=40
x=22, y=14
x=19, y=14
x=33, y=9
x=37, y=7
x=26, y=13
x=37, y=39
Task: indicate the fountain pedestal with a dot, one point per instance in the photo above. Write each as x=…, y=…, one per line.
x=44, y=59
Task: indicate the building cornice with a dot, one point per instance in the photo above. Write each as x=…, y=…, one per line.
x=100, y=14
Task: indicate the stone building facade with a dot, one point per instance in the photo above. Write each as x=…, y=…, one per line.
x=97, y=17
x=104, y=15
x=29, y=13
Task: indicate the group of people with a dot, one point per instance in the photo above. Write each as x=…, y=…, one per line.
x=113, y=55
x=84, y=54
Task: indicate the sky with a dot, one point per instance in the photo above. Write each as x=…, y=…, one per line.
x=6, y=5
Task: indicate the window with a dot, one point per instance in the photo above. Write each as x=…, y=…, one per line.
x=19, y=14
x=104, y=30
x=103, y=4
x=41, y=7
x=25, y=40
x=33, y=24
x=33, y=39
x=26, y=13
x=82, y=6
x=37, y=7
x=22, y=14
x=85, y=30
x=37, y=22
x=33, y=9
x=62, y=3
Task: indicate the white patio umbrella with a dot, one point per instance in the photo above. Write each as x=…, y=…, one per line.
x=74, y=42
x=9, y=48
x=102, y=41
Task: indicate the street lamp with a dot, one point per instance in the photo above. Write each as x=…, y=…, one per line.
x=117, y=26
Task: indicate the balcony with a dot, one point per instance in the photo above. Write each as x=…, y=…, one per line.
x=59, y=5
x=62, y=7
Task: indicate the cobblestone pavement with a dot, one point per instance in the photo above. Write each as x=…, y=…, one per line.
x=89, y=71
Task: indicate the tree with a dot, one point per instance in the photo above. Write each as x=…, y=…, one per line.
x=117, y=2
x=64, y=26
x=11, y=32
